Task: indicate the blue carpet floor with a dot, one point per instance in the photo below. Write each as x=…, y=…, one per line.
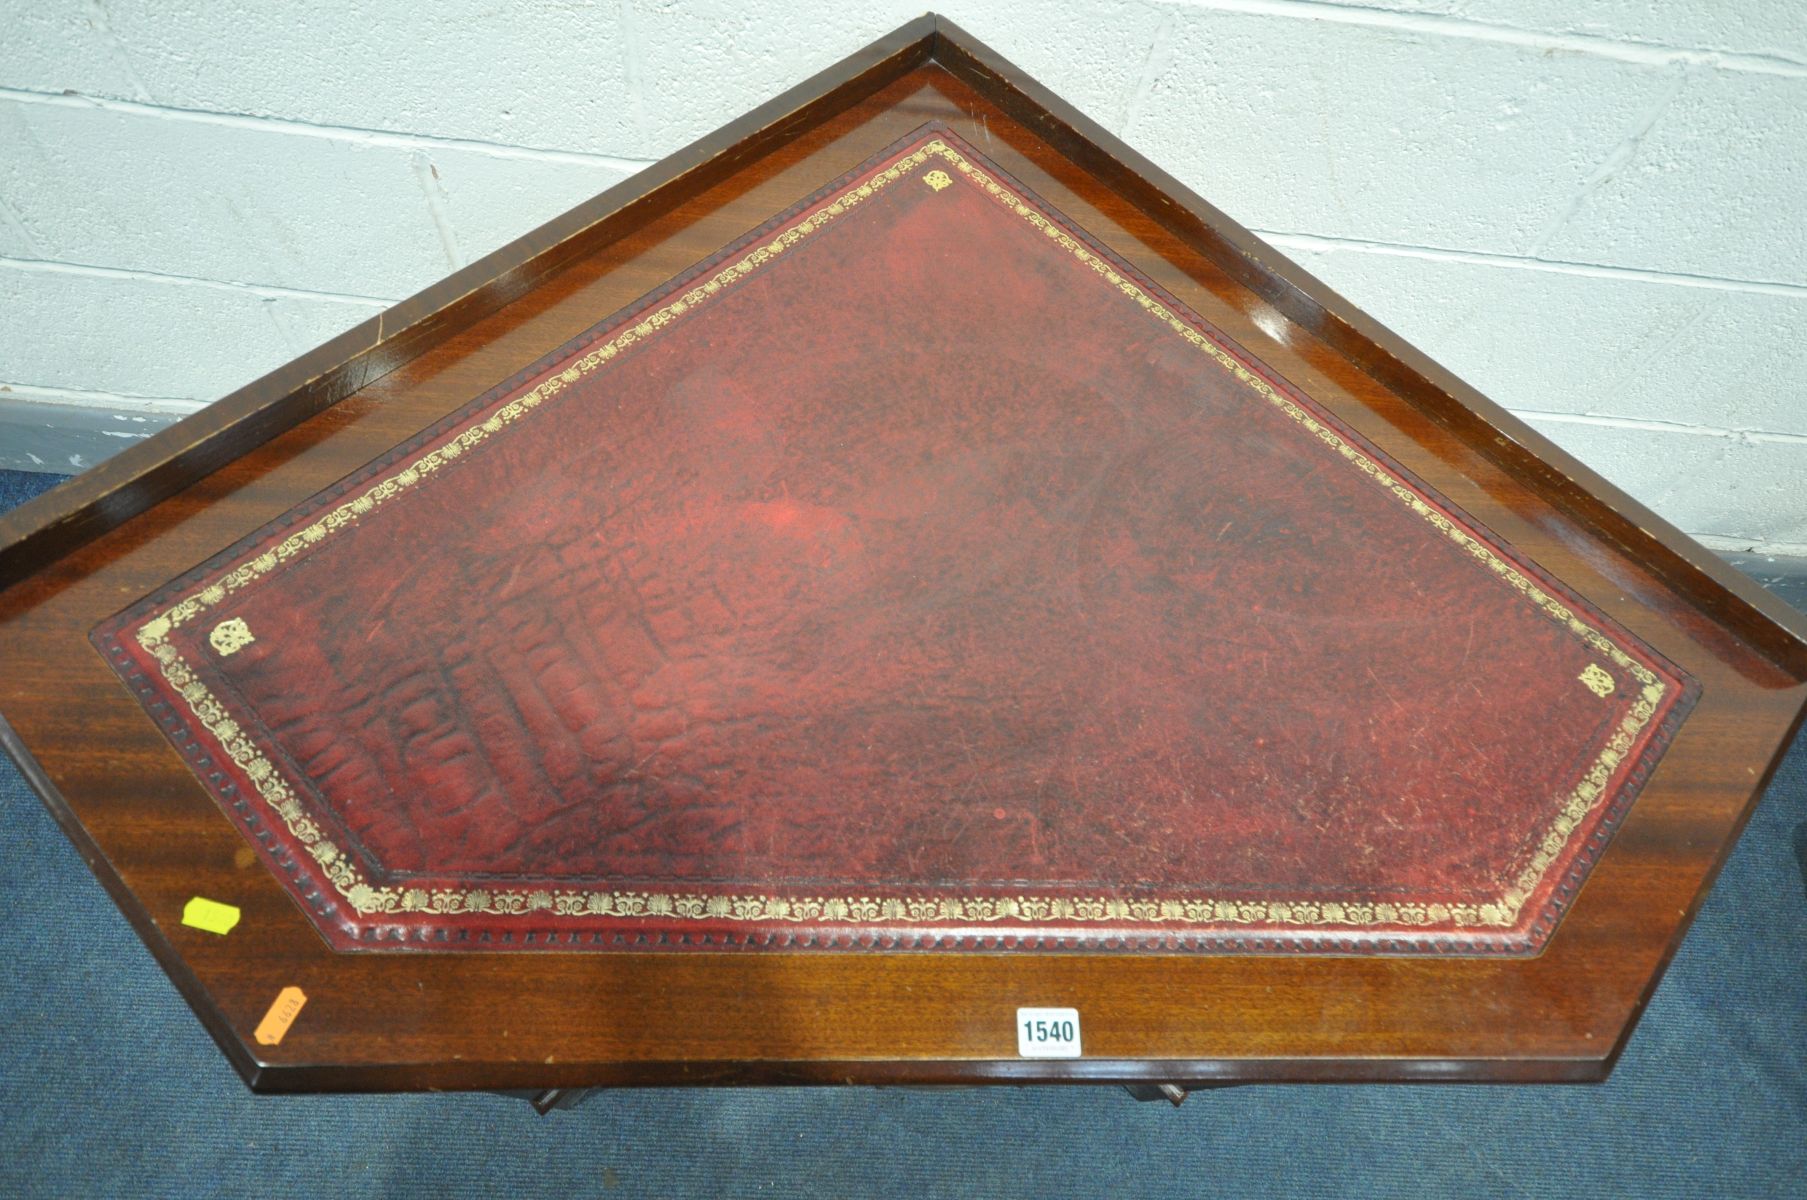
x=109, y=1087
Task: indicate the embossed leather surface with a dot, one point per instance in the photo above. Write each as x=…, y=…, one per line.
x=913, y=573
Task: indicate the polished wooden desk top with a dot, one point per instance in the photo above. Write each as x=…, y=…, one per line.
x=911, y=573
x=1115, y=468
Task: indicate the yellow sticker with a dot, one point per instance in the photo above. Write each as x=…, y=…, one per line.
x=210, y=915
x=276, y=1022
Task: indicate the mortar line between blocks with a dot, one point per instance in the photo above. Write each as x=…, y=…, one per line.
x=1323, y=243
x=98, y=400
x=266, y=290
x=1440, y=25
x=343, y=133
x=1645, y=425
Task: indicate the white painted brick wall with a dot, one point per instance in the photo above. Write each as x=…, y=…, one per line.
x=1592, y=211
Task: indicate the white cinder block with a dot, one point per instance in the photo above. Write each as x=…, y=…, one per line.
x=1627, y=347
x=1364, y=132
x=1095, y=55
x=700, y=64
x=1772, y=30
x=223, y=202
x=307, y=321
x=151, y=337
x=1717, y=486
x=266, y=206
x=706, y=62
x=636, y=79
x=1715, y=188
x=14, y=241
x=57, y=45
x=537, y=74
x=488, y=200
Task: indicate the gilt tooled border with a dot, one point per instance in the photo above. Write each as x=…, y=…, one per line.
x=368, y=900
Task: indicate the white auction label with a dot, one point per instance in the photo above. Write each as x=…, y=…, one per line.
x=1047, y=1032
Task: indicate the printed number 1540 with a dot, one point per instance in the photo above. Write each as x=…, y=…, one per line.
x=1047, y=1032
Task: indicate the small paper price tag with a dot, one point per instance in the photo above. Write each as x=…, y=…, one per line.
x=210, y=915
x=1047, y=1032
x=282, y=1014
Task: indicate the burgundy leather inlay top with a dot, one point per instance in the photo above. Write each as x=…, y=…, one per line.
x=912, y=573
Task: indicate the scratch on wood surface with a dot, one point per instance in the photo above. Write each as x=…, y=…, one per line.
x=1381, y=684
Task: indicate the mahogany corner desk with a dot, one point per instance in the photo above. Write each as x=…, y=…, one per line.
x=899, y=562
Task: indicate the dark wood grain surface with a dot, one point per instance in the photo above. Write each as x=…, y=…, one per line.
x=155, y=838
